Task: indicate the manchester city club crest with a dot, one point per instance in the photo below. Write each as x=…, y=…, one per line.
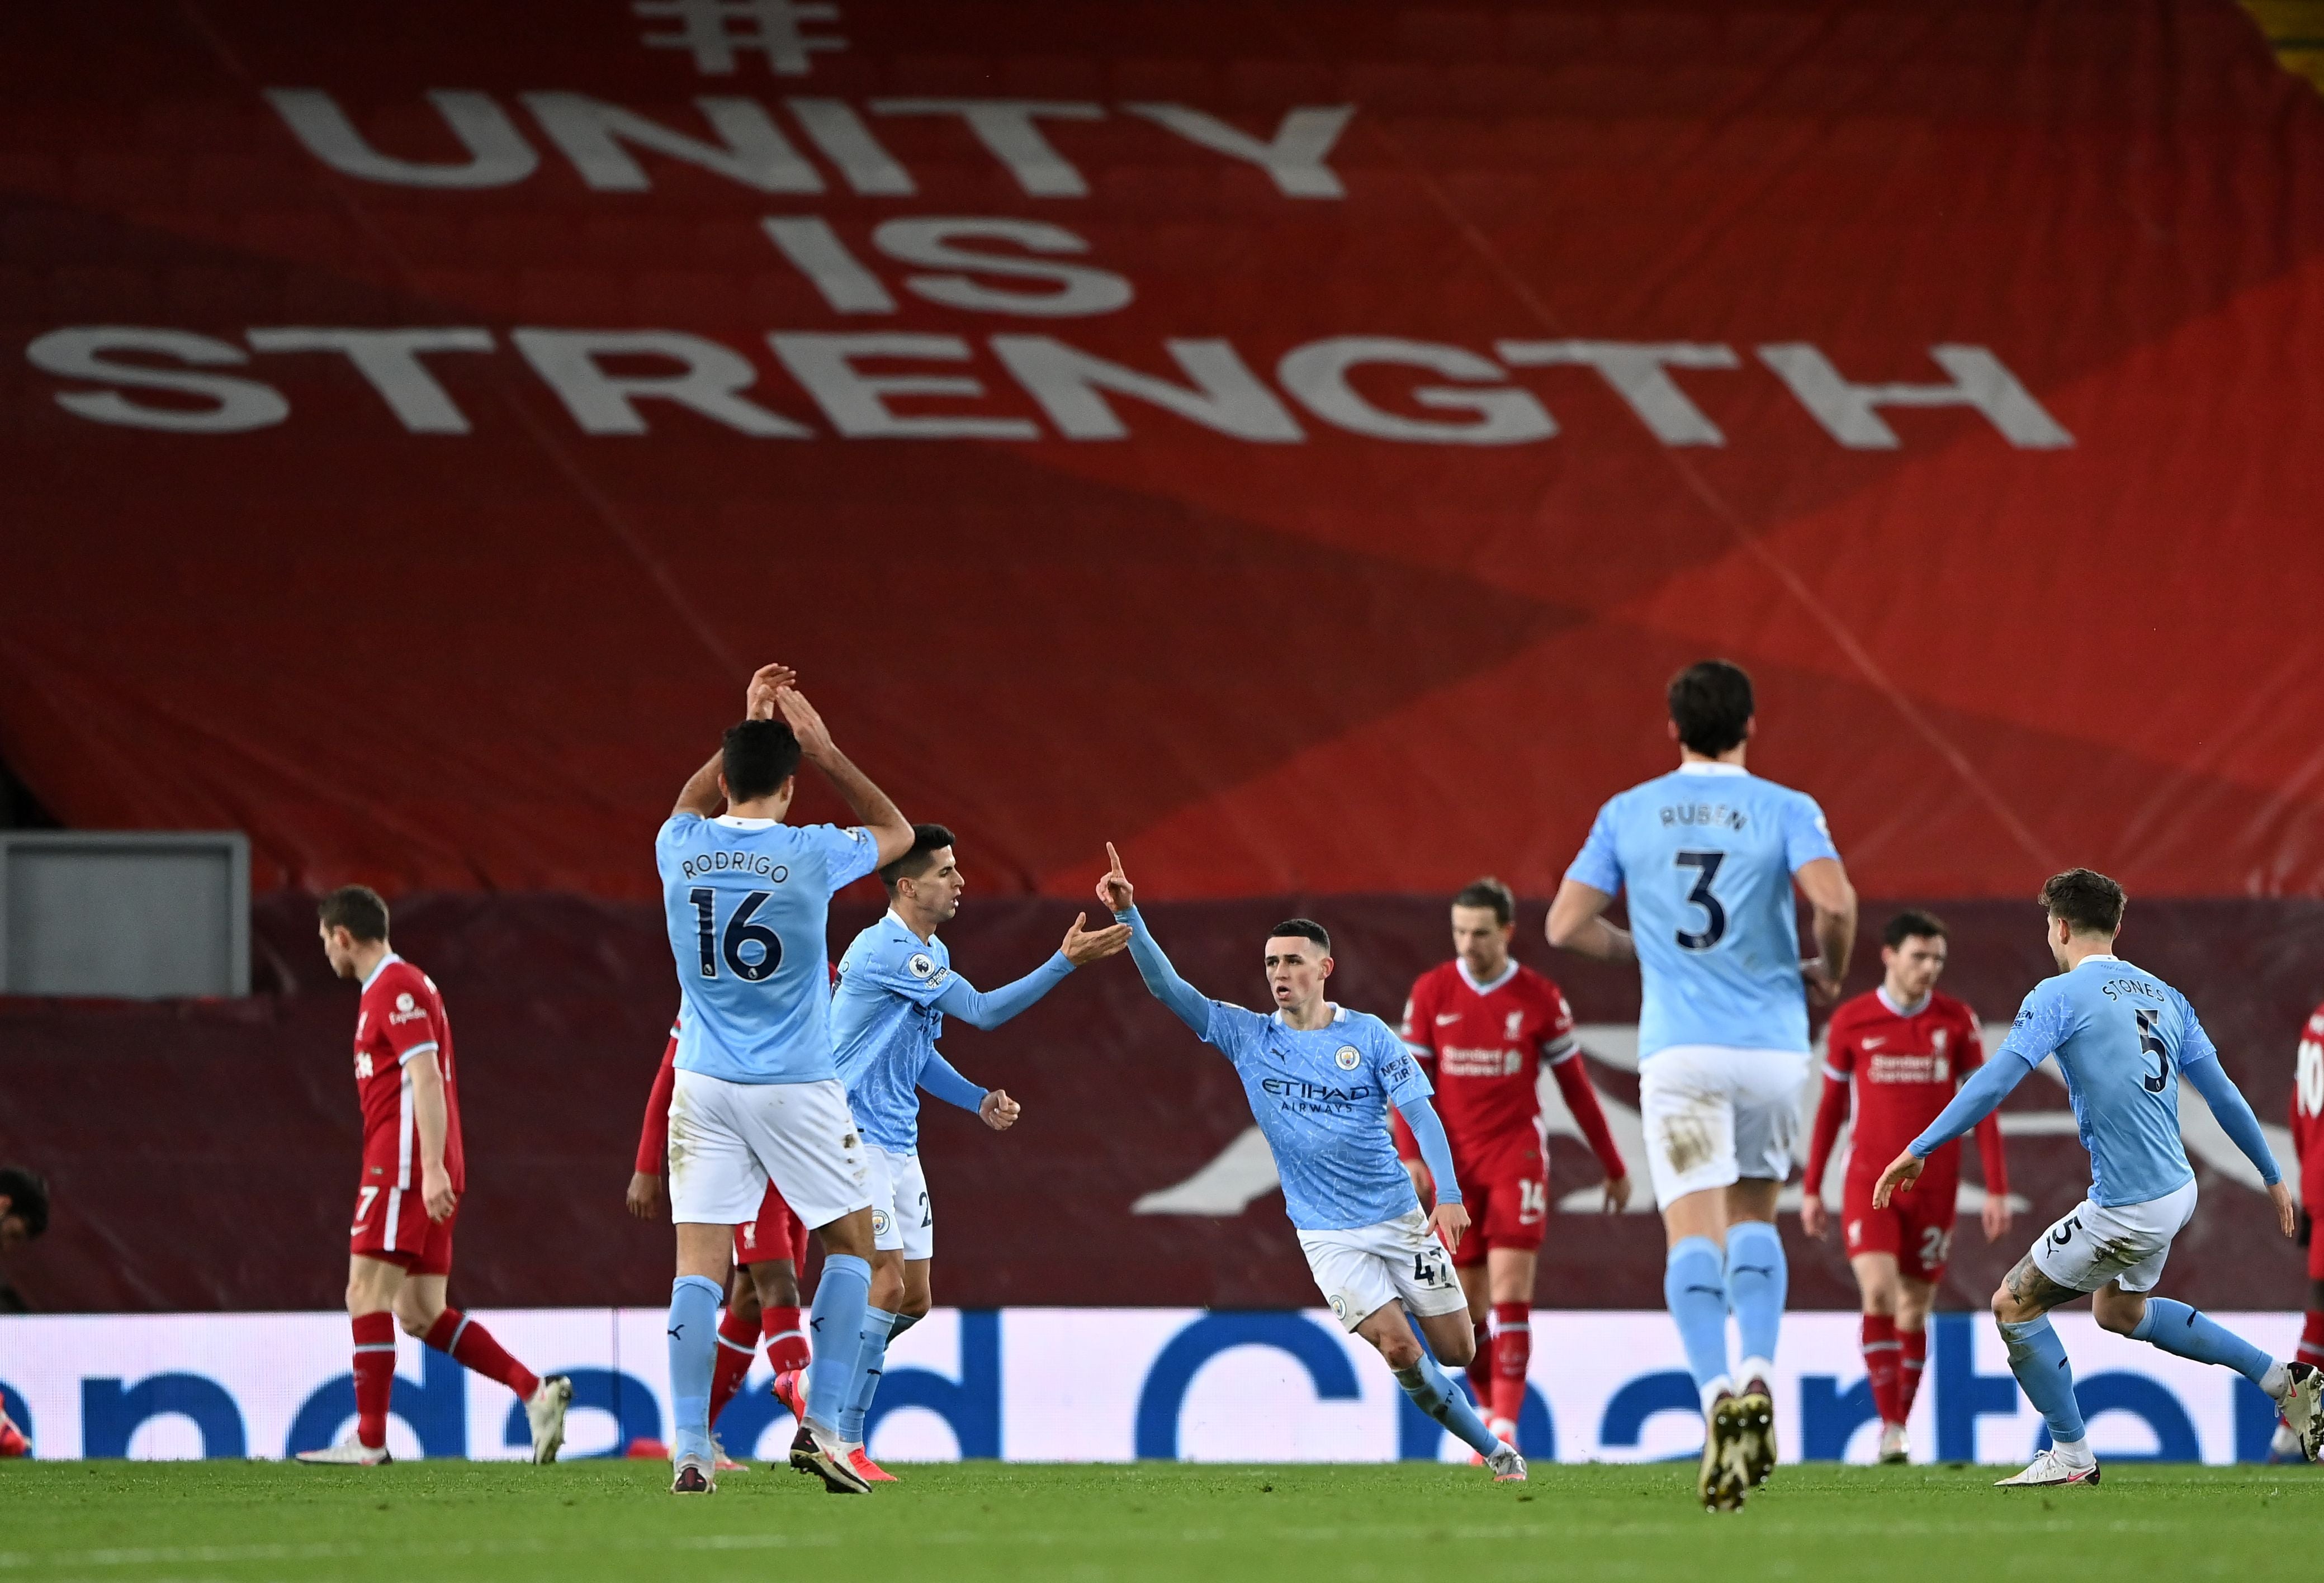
x=1348, y=1057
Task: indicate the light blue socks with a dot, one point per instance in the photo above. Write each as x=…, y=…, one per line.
x=2038, y=1358
x=1695, y=1285
x=693, y=1357
x=840, y=1298
x=2176, y=1327
x=871, y=1360
x=1757, y=1279
x=1437, y=1396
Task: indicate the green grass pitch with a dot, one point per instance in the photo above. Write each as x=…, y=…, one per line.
x=447, y=1521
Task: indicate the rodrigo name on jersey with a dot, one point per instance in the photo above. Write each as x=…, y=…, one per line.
x=748, y=902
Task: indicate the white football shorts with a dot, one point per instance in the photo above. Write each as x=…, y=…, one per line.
x=728, y=1139
x=1715, y=1114
x=2126, y=1244
x=900, y=1216
x=1363, y=1270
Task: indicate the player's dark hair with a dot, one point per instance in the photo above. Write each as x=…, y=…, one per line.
x=1710, y=703
x=2089, y=902
x=1912, y=924
x=1490, y=892
x=357, y=909
x=928, y=840
x=1303, y=929
x=759, y=756
x=28, y=1198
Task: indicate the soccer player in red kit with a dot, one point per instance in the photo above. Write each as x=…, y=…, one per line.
x=413, y=1174
x=1481, y=1025
x=763, y=1295
x=1905, y=1048
x=2308, y=1146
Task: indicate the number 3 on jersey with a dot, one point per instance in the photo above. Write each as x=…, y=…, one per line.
x=1714, y=915
x=741, y=933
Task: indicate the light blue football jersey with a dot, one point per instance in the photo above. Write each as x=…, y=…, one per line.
x=1706, y=856
x=2122, y=1036
x=748, y=903
x=1320, y=1098
x=884, y=1027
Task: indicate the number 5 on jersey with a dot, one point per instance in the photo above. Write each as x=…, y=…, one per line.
x=741, y=931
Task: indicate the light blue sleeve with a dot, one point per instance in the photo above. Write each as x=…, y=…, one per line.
x=1978, y=1098
x=1807, y=836
x=2195, y=1044
x=1191, y=1005
x=1400, y=1075
x=1598, y=865
x=2044, y=1017
x=672, y=837
x=1436, y=1148
x=958, y=998
x=909, y=973
x=2207, y=1078
x=942, y=1079
x=848, y=853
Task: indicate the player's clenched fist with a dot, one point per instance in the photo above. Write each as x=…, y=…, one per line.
x=1084, y=946
x=1114, y=892
x=1000, y=1111
x=1903, y=1172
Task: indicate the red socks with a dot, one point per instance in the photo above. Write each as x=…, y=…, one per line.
x=1480, y=1370
x=786, y=1339
x=1512, y=1333
x=2311, y=1339
x=1912, y=1355
x=738, y=1344
x=374, y=1376
x=472, y=1347
x=1880, y=1361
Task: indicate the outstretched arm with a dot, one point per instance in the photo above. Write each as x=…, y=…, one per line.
x=1119, y=897
x=891, y=833
x=960, y=998
x=1978, y=1098
x=2210, y=1079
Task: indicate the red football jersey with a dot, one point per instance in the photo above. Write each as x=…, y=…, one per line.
x=401, y=1015
x=1903, y=1071
x=1482, y=1045
x=2308, y=1112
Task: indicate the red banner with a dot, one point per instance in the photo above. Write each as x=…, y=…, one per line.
x=1296, y=441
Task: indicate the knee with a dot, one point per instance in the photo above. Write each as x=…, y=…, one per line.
x=1459, y=1353
x=1402, y=1352
x=2119, y=1312
x=414, y=1316
x=2005, y=1308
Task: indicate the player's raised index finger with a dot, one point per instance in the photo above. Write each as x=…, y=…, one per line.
x=1113, y=856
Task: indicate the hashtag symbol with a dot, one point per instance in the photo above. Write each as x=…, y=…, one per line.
x=715, y=33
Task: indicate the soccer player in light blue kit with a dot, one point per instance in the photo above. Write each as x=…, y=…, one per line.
x=1320, y=1079
x=896, y=987
x=756, y=1092
x=1708, y=856
x=2124, y=1039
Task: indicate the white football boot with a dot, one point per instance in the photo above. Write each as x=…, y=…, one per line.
x=1508, y=1467
x=349, y=1452
x=2302, y=1406
x=2050, y=1469
x=693, y=1475
x=544, y=1409
x=1892, y=1446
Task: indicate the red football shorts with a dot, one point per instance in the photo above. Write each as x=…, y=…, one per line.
x=2315, y=1238
x=1916, y=1228
x=776, y=1234
x=391, y=1223
x=1505, y=1188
